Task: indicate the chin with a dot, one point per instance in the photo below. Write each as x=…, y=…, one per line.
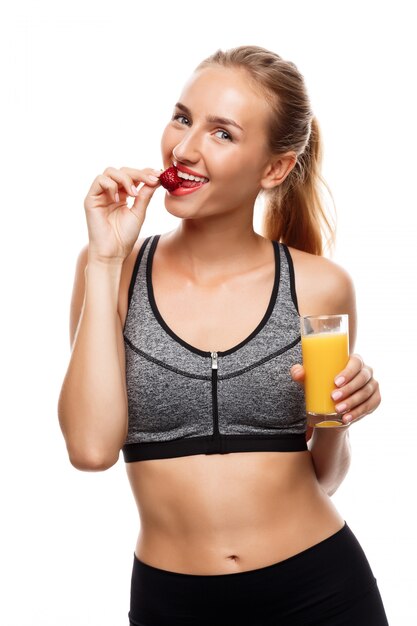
x=178, y=209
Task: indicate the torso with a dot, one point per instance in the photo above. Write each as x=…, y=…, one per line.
x=271, y=505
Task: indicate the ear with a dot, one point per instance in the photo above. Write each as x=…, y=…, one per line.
x=278, y=169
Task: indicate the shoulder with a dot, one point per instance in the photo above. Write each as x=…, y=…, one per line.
x=321, y=284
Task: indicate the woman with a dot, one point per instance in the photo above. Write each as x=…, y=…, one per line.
x=186, y=355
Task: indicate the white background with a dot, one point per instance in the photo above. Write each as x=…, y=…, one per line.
x=87, y=85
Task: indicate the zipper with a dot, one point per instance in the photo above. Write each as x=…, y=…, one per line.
x=214, y=369
x=214, y=360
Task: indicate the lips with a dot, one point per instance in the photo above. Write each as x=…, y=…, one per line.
x=184, y=191
x=186, y=170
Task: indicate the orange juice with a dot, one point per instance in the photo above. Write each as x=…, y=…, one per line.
x=324, y=356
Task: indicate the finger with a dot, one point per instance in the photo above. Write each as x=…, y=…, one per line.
x=123, y=179
x=148, y=175
x=353, y=367
x=358, y=398
x=297, y=372
x=362, y=410
x=142, y=200
x=104, y=183
x=127, y=182
x=361, y=379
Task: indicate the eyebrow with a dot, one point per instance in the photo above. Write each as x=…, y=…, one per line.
x=212, y=119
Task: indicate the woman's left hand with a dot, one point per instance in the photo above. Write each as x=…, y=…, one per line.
x=357, y=392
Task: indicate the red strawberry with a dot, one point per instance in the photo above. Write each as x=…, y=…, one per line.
x=170, y=179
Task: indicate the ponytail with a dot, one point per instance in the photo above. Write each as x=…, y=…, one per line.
x=294, y=211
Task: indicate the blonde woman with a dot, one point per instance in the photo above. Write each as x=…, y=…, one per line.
x=186, y=356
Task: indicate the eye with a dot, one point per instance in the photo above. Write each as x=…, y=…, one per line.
x=229, y=137
x=176, y=117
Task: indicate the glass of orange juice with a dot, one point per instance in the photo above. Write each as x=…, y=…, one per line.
x=325, y=348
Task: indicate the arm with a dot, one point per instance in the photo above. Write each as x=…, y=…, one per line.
x=324, y=287
x=331, y=454
x=330, y=448
x=92, y=406
x=93, y=403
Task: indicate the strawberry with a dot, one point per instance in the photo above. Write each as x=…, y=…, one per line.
x=170, y=179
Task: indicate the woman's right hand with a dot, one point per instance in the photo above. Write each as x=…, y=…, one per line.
x=113, y=228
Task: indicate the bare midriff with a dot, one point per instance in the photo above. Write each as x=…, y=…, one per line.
x=226, y=513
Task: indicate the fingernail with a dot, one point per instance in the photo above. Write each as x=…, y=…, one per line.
x=336, y=395
x=347, y=419
x=134, y=190
x=339, y=381
x=154, y=179
x=341, y=407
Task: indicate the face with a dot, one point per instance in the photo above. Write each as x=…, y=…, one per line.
x=234, y=157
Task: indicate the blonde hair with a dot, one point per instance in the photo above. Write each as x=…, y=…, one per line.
x=294, y=210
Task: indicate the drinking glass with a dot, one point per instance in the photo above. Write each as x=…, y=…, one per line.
x=325, y=349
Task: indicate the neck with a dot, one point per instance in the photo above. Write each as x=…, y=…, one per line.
x=206, y=252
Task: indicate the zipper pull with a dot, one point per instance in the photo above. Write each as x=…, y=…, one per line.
x=214, y=360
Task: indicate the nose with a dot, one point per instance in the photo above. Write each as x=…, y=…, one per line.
x=189, y=148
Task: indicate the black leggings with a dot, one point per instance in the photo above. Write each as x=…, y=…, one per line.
x=329, y=584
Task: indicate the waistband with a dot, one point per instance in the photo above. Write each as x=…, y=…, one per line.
x=156, y=571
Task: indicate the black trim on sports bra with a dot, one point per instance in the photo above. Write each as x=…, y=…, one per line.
x=211, y=444
x=135, y=272
x=292, y=276
x=178, y=339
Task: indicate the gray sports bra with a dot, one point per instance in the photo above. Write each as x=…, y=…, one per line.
x=183, y=401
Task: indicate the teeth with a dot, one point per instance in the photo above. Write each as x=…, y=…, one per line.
x=199, y=179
